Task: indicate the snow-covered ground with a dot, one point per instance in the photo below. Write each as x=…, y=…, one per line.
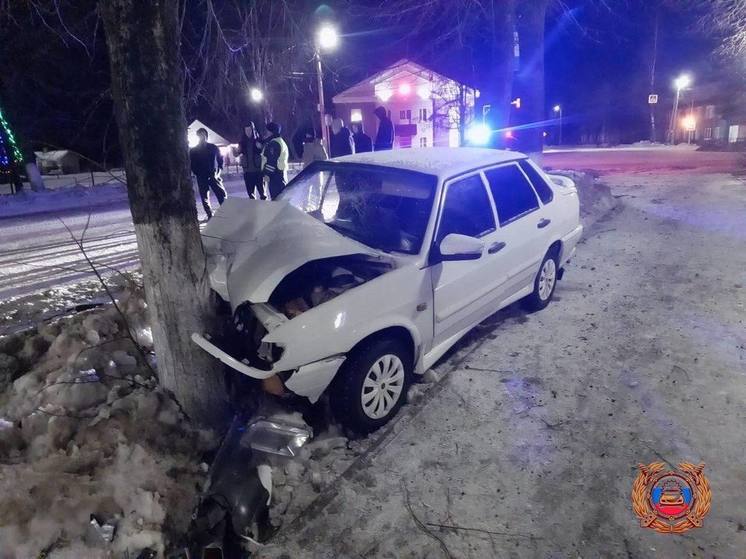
x=43, y=271
x=522, y=442
x=84, y=430
x=528, y=445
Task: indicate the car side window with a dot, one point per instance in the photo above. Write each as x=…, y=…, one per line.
x=466, y=209
x=540, y=185
x=512, y=193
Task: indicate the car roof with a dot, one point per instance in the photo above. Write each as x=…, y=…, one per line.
x=440, y=161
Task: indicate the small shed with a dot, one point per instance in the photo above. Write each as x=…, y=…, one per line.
x=58, y=162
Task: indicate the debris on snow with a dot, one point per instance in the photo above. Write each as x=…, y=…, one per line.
x=84, y=431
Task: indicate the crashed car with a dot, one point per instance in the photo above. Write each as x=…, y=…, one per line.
x=368, y=268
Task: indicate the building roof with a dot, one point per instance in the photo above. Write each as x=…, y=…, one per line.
x=212, y=136
x=55, y=155
x=365, y=90
x=440, y=161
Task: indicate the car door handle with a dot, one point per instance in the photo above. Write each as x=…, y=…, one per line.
x=543, y=223
x=496, y=247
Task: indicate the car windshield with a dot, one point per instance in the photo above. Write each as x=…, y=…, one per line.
x=384, y=208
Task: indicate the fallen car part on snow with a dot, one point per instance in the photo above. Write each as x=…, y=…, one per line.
x=104, y=530
x=235, y=505
x=277, y=438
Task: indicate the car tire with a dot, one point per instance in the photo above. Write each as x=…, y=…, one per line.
x=545, y=282
x=372, y=384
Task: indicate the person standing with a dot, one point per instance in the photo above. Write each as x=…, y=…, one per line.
x=341, y=142
x=207, y=162
x=250, y=149
x=276, y=155
x=385, y=134
x=313, y=149
x=362, y=141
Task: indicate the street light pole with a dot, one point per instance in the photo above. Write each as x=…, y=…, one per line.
x=322, y=110
x=558, y=109
x=681, y=83
x=674, y=116
x=327, y=39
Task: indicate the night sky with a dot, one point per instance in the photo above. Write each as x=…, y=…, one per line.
x=597, y=67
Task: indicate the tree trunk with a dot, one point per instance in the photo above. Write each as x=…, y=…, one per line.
x=147, y=88
x=499, y=86
x=530, y=22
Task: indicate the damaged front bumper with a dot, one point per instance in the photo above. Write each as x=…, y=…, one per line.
x=309, y=380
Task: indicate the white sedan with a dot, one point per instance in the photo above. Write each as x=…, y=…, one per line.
x=368, y=268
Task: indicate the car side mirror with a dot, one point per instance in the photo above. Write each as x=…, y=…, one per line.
x=456, y=247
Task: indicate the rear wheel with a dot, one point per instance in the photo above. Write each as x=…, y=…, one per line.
x=545, y=283
x=371, y=385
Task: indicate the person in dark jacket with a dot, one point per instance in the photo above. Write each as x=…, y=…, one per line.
x=207, y=162
x=341, y=142
x=385, y=135
x=250, y=148
x=363, y=142
x=276, y=154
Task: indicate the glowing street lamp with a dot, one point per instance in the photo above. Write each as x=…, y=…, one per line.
x=558, y=109
x=256, y=95
x=689, y=123
x=327, y=39
x=684, y=81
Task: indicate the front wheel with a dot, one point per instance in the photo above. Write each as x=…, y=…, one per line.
x=544, y=284
x=371, y=385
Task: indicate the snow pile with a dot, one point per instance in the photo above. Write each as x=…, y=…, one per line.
x=74, y=197
x=85, y=430
x=20, y=312
x=596, y=199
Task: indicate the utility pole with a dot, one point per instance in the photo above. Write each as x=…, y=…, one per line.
x=652, y=73
x=322, y=110
x=681, y=83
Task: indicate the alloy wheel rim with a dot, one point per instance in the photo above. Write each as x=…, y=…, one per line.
x=547, y=278
x=382, y=386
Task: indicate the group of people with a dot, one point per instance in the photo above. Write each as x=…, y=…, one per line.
x=344, y=141
x=265, y=159
x=261, y=158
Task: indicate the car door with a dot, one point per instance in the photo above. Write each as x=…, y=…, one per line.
x=522, y=226
x=461, y=288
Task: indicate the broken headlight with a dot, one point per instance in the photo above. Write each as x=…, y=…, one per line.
x=269, y=352
x=247, y=335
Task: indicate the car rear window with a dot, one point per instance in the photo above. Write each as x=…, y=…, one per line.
x=514, y=197
x=540, y=185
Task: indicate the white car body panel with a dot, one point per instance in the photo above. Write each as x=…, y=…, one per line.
x=253, y=245
x=262, y=242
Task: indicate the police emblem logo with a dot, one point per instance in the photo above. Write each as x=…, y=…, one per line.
x=669, y=501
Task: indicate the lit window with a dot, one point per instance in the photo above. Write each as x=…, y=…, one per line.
x=356, y=115
x=708, y=133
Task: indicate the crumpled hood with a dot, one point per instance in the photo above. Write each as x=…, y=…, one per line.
x=253, y=244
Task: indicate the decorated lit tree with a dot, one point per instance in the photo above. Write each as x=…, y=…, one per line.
x=10, y=156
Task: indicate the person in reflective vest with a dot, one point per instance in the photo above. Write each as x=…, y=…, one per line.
x=276, y=154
